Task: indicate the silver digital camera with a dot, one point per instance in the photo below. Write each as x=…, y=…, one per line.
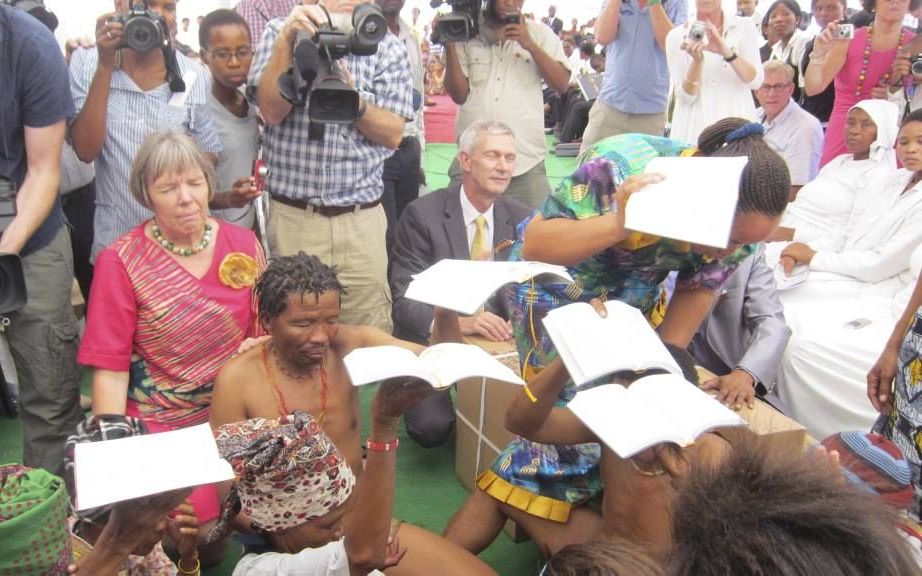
x=696, y=32
x=845, y=31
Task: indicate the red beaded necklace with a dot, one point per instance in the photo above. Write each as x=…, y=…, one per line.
x=866, y=60
x=280, y=398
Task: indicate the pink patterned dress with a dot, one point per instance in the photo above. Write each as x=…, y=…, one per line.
x=846, y=81
x=169, y=330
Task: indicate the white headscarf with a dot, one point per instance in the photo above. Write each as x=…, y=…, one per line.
x=886, y=115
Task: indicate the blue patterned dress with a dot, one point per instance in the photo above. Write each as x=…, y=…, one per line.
x=546, y=480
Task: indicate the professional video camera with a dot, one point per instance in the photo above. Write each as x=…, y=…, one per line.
x=316, y=80
x=144, y=29
x=461, y=24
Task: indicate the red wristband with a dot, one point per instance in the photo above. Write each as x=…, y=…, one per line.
x=382, y=446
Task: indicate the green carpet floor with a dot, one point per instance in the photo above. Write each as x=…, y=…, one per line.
x=427, y=491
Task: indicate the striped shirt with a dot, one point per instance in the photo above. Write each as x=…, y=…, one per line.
x=258, y=13
x=344, y=168
x=131, y=116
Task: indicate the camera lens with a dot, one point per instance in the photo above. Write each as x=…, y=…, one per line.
x=142, y=34
x=916, y=67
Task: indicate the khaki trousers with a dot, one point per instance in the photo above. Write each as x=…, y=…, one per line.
x=353, y=243
x=605, y=121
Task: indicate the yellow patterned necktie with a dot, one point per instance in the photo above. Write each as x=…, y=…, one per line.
x=480, y=249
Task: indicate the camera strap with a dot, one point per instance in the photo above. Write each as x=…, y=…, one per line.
x=173, y=74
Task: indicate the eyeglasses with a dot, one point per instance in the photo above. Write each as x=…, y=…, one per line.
x=774, y=87
x=225, y=55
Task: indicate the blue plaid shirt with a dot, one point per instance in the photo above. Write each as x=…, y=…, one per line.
x=343, y=168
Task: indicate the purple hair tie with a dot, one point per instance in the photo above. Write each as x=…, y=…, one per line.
x=748, y=129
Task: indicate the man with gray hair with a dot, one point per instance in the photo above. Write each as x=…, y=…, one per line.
x=792, y=132
x=470, y=221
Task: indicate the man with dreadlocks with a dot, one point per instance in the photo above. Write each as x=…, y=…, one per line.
x=297, y=376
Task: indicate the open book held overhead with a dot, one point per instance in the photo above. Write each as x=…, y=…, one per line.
x=464, y=285
x=695, y=202
x=652, y=410
x=441, y=365
x=591, y=346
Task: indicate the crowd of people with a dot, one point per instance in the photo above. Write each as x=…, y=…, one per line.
x=237, y=231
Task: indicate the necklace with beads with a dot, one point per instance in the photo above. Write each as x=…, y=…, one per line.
x=277, y=392
x=172, y=248
x=866, y=60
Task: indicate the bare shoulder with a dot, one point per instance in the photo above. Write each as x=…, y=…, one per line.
x=239, y=369
x=351, y=337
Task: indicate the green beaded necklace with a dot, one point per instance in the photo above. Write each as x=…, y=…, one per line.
x=172, y=248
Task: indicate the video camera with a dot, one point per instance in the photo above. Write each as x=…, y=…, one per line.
x=314, y=79
x=461, y=24
x=144, y=29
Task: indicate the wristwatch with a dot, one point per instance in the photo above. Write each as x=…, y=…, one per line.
x=733, y=56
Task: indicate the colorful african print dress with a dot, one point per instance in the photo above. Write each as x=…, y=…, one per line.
x=546, y=480
x=904, y=423
x=170, y=330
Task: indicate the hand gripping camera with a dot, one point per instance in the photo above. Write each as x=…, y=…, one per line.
x=316, y=81
x=144, y=29
x=461, y=24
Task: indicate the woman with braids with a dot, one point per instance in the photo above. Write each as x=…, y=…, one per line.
x=173, y=299
x=531, y=481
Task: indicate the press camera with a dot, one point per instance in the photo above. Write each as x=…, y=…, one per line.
x=317, y=81
x=461, y=24
x=144, y=30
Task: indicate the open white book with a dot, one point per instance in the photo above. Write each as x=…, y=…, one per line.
x=440, y=365
x=695, y=202
x=591, y=346
x=654, y=409
x=464, y=285
x=116, y=470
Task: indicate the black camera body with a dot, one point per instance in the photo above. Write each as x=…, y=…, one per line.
x=461, y=24
x=915, y=65
x=316, y=81
x=144, y=30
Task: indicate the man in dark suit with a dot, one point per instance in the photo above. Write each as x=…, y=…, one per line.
x=470, y=221
x=553, y=21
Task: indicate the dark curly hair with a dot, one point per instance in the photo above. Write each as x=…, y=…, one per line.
x=765, y=183
x=770, y=512
x=289, y=275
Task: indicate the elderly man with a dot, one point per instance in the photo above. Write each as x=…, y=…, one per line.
x=635, y=88
x=463, y=222
x=790, y=130
x=303, y=381
x=326, y=188
x=122, y=96
x=498, y=76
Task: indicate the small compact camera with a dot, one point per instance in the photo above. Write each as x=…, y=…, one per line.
x=915, y=65
x=260, y=173
x=845, y=31
x=144, y=29
x=696, y=32
x=511, y=18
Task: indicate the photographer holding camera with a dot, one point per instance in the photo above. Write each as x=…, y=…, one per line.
x=496, y=75
x=131, y=85
x=327, y=138
x=34, y=108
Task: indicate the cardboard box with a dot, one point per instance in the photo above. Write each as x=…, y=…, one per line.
x=766, y=425
x=480, y=408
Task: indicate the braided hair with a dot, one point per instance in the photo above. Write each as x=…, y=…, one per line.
x=765, y=182
x=289, y=275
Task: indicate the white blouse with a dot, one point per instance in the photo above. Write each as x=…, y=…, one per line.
x=826, y=209
x=721, y=94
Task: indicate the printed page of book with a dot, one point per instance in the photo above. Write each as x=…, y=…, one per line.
x=118, y=470
x=464, y=285
x=453, y=362
x=591, y=346
x=376, y=363
x=655, y=409
x=695, y=202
